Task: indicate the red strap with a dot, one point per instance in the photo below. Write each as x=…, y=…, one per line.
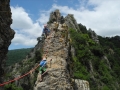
x=18, y=77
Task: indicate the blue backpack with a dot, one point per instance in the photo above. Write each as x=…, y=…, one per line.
x=43, y=63
x=45, y=30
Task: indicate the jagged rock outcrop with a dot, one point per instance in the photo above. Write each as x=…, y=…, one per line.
x=58, y=76
x=68, y=53
x=94, y=36
x=71, y=22
x=56, y=46
x=81, y=85
x=55, y=16
x=6, y=33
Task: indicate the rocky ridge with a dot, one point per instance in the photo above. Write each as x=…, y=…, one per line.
x=57, y=47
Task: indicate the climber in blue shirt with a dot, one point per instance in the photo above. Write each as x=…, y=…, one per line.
x=42, y=69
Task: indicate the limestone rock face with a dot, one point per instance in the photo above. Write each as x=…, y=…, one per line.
x=57, y=47
x=71, y=22
x=6, y=33
x=55, y=16
x=81, y=84
x=94, y=36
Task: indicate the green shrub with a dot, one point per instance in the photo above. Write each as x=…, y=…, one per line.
x=12, y=87
x=105, y=88
x=38, y=56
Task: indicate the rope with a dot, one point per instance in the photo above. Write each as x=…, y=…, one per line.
x=18, y=77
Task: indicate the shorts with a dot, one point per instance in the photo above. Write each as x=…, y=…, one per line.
x=42, y=70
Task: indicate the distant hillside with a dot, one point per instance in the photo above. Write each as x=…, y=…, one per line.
x=16, y=55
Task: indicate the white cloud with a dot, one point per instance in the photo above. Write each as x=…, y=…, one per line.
x=20, y=18
x=24, y=40
x=103, y=17
x=44, y=17
x=26, y=31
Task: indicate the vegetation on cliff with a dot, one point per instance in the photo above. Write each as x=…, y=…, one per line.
x=97, y=63
x=21, y=68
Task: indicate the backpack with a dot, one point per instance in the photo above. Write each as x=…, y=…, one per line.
x=45, y=30
x=43, y=63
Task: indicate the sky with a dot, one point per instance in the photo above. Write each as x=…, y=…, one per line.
x=29, y=16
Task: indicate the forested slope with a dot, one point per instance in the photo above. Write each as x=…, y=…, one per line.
x=96, y=58
x=15, y=56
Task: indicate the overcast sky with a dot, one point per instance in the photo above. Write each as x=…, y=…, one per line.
x=29, y=16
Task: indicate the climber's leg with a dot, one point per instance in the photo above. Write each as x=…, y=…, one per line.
x=44, y=73
x=40, y=74
x=41, y=78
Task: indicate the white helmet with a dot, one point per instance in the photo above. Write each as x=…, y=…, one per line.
x=45, y=25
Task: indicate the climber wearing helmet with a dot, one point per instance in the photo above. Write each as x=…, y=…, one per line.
x=46, y=31
x=42, y=69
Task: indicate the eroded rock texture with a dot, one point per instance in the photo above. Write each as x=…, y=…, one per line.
x=57, y=47
x=6, y=33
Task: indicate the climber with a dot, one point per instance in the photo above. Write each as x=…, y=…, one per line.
x=46, y=31
x=42, y=69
